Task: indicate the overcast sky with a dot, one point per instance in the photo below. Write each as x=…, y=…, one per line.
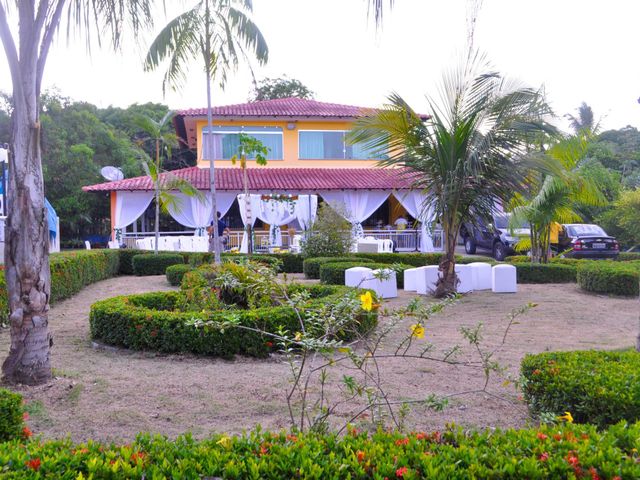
x=580, y=50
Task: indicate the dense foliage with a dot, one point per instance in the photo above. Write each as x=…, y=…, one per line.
x=616, y=278
x=545, y=273
x=152, y=264
x=567, y=451
x=176, y=272
x=594, y=386
x=11, y=416
x=330, y=235
x=311, y=266
x=283, y=87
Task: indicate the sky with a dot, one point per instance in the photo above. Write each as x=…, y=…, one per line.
x=578, y=50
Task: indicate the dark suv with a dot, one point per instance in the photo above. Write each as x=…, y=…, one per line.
x=583, y=240
x=493, y=235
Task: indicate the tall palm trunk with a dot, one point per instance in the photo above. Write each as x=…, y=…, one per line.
x=448, y=282
x=157, y=224
x=27, y=243
x=247, y=208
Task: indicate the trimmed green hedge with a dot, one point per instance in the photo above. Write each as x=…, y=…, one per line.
x=545, y=273
x=616, y=278
x=333, y=273
x=594, y=386
x=628, y=256
x=176, y=272
x=419, y=259
x=11, y=415
x=152, y=264
x=548, y=452
x=153, y=321
x=311, y=266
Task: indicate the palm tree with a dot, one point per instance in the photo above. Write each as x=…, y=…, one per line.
x=26, y=233
x=470, y=154
x=584, y=121
x=220, y=33
x=158, y=133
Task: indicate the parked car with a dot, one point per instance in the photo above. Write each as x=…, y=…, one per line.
x=492, y=234
x=582, y=240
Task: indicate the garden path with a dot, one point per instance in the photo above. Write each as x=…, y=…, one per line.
x=112, y=394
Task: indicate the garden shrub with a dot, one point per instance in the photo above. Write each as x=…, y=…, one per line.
x=596, y=387
x=420, y=259
x=545, y=273
x=628, y=256
x=152, y=264
x=333, y=273
x=11, y=415
x=617, y=278
x=311, y=266
x=518, y=259
x=330, y=235
x=555, y=452
x=126, y=259
x=176, y=272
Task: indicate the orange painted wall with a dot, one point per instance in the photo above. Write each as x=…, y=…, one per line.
x=113, y=214
x=290, y=141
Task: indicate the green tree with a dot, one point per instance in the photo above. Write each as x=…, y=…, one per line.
x=249, y=148
x=471, y=152
x=27, y=237
x=584, y=121
x=283, y=87
x=220, y=33
x=623, y=219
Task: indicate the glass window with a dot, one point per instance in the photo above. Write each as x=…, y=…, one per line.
x=330, y=145
x=226, y=141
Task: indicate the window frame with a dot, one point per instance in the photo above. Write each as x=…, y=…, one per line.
x=344, y=146
x=247, y=130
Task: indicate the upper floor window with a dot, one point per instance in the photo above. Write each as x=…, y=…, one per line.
x=330, y=145
x=226, y=141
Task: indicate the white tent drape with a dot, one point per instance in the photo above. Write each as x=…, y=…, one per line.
x=306, y=208
x=194, y=212
x=355, y=205
x=413, y=202
x=275, y=213
x=255, y=207
x=129, y=206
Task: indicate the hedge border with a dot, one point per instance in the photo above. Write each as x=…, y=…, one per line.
x=545, y=273
x=333, y=273
x=614, y=278
x=311, y=266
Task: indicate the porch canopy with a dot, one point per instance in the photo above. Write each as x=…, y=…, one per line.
x=355, y=193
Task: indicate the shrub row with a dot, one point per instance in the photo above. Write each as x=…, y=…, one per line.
x=153, y=321
x=333, y=273
x=568, y=451
x=311, y=266
x=152, y=264
x=545, y=273
x=617, y=278
x=595, y=386
x=628, y=256
x=176, y=272
x=11, y=415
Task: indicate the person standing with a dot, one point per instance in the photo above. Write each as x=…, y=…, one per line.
x=221, y=226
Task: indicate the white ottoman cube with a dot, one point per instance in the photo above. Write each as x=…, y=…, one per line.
x=357, y=277
x=504, y=279
x=411, y=278
x=481, y=275
x=427, y=279
x=465, y=278
x=385, y=287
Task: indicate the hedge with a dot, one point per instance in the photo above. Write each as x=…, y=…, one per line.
x=333, y=273
x=555, y=452
x=155, y=264
x=311, y=266
x=419, y=259
x=153, y=321
x=628, y=256
x=545, y=273
x=617, y=278
x=596, y=387
x=176, y=272
x=11, y=416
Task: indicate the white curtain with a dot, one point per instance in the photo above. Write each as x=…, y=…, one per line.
x=276, y=213
x=355, y=205
x=414, y=202
x=306, y=208
x=194, y=212
x=129, y=206
x=255, y=207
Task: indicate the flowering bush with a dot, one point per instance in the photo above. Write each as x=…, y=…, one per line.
x=568, y=451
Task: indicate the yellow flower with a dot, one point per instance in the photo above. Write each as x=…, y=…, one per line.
x=367, y=301
x=417, y=331
x=225, y=441
x=566, y=417
x=298, y=336
x=344, y=349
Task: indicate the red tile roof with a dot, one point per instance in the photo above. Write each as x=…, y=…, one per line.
x=277, y=179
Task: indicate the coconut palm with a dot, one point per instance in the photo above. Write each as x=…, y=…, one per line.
x=469, y=155
x=220, y=33
x=27, y=238
x=584, y=121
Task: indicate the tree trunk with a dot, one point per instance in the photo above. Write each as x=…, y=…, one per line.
x=448, y=282
x=248, y=212
x=27, y=246
x=157, y=224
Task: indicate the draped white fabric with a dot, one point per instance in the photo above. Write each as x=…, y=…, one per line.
x=255, y=207
x=129, y=206
x=413, y=202
x=355, y=205
x=306, y=208
x=275, y=213
x=194, y=212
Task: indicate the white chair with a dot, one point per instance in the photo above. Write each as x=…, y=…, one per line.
x=114, y=245
x=356, y=276
x=149, y=243
x=87, y=245
x=465, y=278
x=504, y=279
x=140, y=244
x=427, y=278
x=383, y=282
x=481, y=275
x=368, y=246
x=200, y=244
x=386, y=246
x=295, y=244
x=167, y=244
x=185, y=244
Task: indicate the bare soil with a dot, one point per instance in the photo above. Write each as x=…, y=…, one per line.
x=110, y=394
